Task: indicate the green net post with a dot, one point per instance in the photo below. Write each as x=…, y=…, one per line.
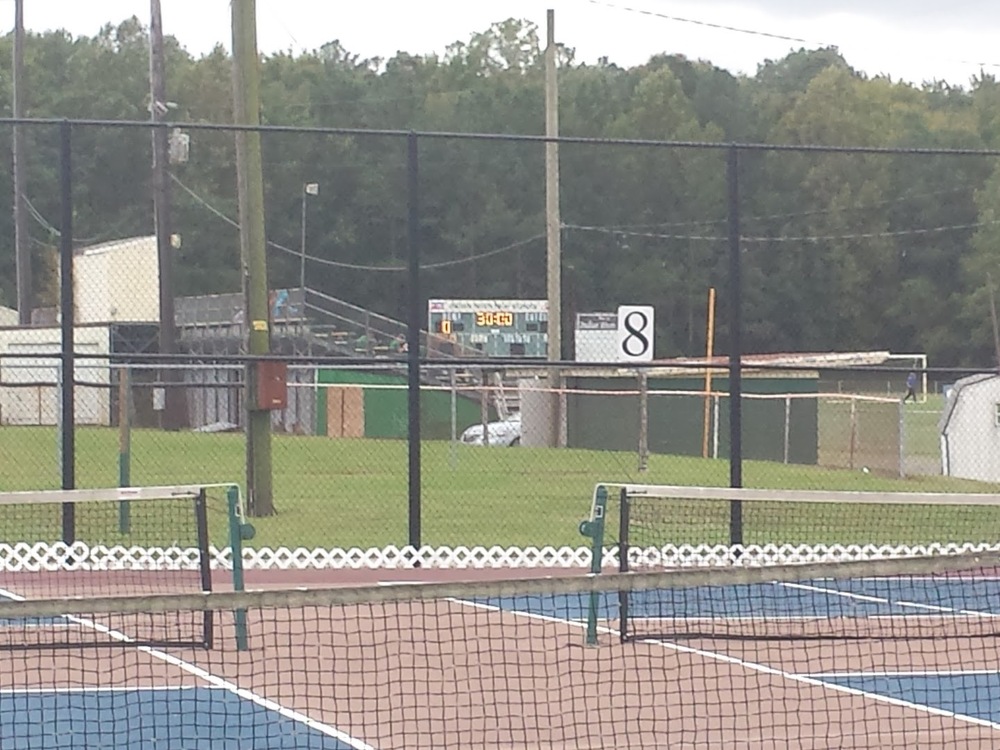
x=593, y=528
x=238, y=532
x=124, y=446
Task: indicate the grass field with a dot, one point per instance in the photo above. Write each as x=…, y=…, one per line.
x=342, y=493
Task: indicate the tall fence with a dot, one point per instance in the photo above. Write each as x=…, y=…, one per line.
x=340, y=441
x=408, y=319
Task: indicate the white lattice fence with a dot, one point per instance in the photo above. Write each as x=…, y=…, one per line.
x=49, y=557
x=25, y=557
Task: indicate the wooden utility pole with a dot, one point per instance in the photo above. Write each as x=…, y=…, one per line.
x=250, y=185
x=173, y=417
x=553, y=225
x=22, y=251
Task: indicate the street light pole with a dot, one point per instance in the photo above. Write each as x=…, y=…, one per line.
x=310, y=188
x=302, y=247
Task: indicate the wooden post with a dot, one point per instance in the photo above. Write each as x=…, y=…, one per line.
x=709, y=352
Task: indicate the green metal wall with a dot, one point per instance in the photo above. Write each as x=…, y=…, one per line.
x=675, y=423
x=386, y=412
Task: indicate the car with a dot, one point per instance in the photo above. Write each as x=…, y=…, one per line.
x=505, y=433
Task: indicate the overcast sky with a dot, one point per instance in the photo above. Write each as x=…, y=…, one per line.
x=914, y=40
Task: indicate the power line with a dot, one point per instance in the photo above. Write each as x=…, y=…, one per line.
x=876, y=235
x=53, y=232
x=356, y=266
x=754, y=32
x=41, y=220
x=651, y=235
x=709, y=24
x=803, y=238
x=791, y=215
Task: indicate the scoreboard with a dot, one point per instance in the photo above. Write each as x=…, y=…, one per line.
x=494, y=328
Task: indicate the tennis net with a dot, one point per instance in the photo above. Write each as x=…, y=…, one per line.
x=108, y=542
x=506, y=664
x=663, y=527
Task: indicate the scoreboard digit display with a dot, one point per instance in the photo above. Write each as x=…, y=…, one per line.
x=493, y=328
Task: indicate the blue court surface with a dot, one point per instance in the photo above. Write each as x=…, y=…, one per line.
x=976, y=695
x=151, y=718
x=873, y=597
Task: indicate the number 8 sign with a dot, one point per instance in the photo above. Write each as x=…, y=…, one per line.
x=635, y=333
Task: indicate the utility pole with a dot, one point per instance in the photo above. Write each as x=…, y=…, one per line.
x=553, y=225
x=250, y=186
x=173, y=416
x=22, y=251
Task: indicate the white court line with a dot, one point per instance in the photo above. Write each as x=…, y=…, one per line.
x=940, y=673
x=749, y=665
x=105, y=689
x=884, y=600
x=945, y=578
x=216, y=681
x=25, y=622
x=778, y=618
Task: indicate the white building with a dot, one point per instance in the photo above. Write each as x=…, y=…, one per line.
x=117, y=282
x=29, y=393
x=970, y=429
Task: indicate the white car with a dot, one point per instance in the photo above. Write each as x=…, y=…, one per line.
x=506, y=433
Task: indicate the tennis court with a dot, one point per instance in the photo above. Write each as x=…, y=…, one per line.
x=865, y=654
x=506, y=666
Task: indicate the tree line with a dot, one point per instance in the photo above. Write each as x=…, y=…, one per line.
x=841, y=251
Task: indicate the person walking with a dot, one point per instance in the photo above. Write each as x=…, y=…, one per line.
x=911, y=387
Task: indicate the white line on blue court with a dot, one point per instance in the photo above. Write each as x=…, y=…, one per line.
x=933, y=673
x=104, y=689
x=749, y=665
x=955, y=577
x=215, y=680
x=885, y=600
x=777, y=618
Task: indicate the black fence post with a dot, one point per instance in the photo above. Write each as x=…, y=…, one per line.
x=735, y=346
x=67, y=408
x=414, y=322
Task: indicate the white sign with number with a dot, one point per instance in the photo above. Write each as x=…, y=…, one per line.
x=635, y=333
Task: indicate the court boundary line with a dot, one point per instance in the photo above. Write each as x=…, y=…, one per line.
x=216, y=681
x=745, y=664
x=931, y=617
x=944, y=577
x=904, y=673
x=884, y=600
x=104, y=689
x=929, y=611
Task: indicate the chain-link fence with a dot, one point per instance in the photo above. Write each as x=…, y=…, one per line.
x=379, y=291
x=340, y=441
